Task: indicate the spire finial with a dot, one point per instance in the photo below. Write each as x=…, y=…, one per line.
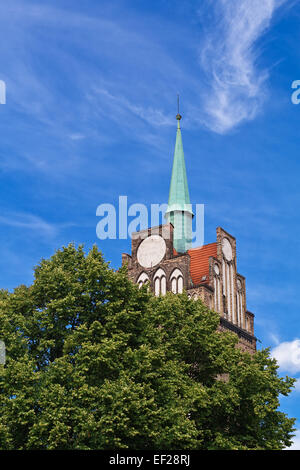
x=178, y=117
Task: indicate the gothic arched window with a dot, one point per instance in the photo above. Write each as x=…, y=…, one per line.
x=160, y=282
x=143, y=279
x=176, y=281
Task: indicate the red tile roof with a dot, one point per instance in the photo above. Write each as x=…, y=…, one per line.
x=200, y=262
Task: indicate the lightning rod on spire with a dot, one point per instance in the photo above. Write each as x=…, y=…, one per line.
x=178, y=117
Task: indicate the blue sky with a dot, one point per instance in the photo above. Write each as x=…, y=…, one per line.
x=90, y=115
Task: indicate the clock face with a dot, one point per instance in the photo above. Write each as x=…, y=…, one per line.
x=227, y=250
x=217, y=270
x=151, y=251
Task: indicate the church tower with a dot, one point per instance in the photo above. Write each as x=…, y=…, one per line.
x=179, y=212
x=163, y=258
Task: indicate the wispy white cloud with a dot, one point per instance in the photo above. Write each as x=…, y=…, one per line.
x=94, y=93
x=76, y=136
x=27, y=221
x=235, y=83
x=262, y=294
x=153, y=116
x=235, y=90
x=297, y=385
x=229, y=57
x=296, y=441
x=287, y=355
x=274, y=338
x=35, y=224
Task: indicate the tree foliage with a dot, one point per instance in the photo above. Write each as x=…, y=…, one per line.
x=95, y=363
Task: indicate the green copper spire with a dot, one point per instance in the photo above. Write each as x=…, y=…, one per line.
x=179, y=211
x=179, y=191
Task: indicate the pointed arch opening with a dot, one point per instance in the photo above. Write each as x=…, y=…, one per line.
x=176, y=279
x=160, y=282
x=142, y=280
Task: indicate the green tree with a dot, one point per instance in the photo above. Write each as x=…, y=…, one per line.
x=95, y=363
